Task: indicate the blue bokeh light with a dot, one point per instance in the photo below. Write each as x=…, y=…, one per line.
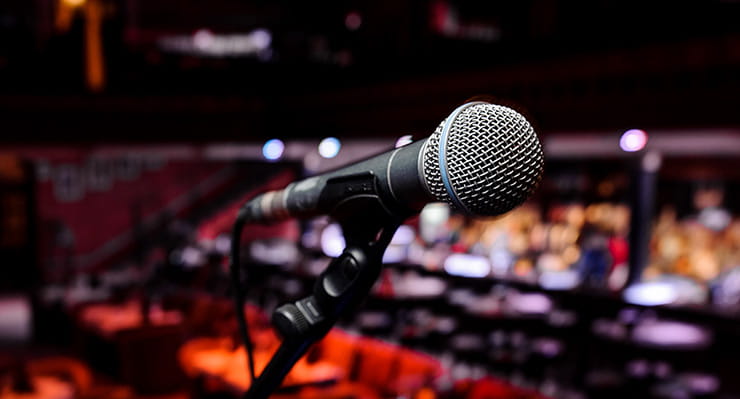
x=273, y=149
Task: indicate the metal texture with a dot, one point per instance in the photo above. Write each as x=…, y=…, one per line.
x=494, y=160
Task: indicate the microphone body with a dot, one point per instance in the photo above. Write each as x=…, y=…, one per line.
x=392, y=178
x=483, y=160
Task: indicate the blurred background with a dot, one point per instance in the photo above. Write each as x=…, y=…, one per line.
x=132, y=131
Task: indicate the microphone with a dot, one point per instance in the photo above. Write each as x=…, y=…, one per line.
x=483, y=160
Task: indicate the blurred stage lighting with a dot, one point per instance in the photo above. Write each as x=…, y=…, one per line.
x=205, y=43
x=332, y=241
x=273, y=149
x=329, y=147
x=397, y=251
x=529, y=303
x=353, y=20
x=653, y=293
x=403, y=236
x=633, y=140
x=433, y=221
x=203, y=39
x=467, y=265
x=671, y=334
x=559, y=280
x=261, y=38
x=73, y=3
x=16, y=324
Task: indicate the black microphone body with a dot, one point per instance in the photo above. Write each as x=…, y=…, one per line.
x=483, y=160
x=391, y=179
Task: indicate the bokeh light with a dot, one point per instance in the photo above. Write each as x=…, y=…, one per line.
x=633, y=140
x=329, y=147
x=353, y=20
x=273, y=149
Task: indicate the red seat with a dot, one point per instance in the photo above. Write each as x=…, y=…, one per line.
x=340, y=349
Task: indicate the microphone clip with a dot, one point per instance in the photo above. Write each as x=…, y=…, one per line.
x=339, y=288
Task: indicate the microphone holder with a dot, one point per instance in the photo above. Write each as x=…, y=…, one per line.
x=340, y=287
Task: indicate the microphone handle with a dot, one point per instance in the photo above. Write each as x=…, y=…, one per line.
x=394, y=177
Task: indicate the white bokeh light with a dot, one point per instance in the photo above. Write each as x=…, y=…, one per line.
x=467, y=265
x=633, y=140
x=652, y=293
x=329, y=147
x=261, y=38
x=203, y=39
x=332, y=241
x=273, y=149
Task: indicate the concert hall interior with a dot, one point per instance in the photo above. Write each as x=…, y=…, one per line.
x=136, y=135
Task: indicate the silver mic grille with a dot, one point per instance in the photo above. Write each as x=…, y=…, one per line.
x=489, y=162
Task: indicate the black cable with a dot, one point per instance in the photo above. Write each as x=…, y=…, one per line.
x=242, y=218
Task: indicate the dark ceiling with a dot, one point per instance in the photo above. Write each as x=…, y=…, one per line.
x=361, y=68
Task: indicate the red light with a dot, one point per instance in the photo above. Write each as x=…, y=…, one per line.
x=353, y=20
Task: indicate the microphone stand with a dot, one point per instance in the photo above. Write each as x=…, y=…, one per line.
x=346, y=281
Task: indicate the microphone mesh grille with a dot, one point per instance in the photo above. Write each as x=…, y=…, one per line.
x=494, y=160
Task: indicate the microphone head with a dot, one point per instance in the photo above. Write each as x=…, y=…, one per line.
x=484, y=160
